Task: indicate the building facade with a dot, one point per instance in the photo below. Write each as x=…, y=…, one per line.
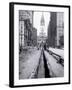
x=34, y=36
x=27, y=33
x=52, y=30
x=60, y=29
x=56, y=30
x=25, y=27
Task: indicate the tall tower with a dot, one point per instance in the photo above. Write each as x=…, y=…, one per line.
x=42, y=20
x=42, y=24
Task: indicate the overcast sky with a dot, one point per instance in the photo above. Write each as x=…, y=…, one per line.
x=37, y=19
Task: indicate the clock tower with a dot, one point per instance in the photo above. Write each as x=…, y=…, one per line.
x=42, y=27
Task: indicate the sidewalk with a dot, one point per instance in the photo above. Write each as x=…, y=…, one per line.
x=57, y=51
x=56, y=70
x=29, y=64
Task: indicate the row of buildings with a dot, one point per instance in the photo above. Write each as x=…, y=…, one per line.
x=27, y=33
x=55, y=36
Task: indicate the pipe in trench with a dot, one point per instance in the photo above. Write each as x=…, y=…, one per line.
x=47, y=72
